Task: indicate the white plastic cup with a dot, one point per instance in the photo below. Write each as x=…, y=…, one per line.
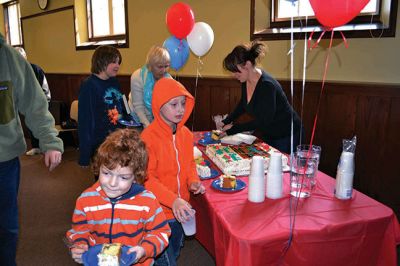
x=256, y=191
x=257, y=166
x=275, y=164
x=274, y=183
x=344, y=176
x=189, y=226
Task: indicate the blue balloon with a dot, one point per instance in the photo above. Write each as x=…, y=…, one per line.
x=178, y=51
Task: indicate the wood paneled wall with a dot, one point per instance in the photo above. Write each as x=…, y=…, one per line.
x=369, y=111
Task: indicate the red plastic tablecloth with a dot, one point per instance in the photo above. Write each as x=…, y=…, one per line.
x=328, y=231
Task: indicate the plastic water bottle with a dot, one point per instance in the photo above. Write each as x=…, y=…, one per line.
x=344, y=176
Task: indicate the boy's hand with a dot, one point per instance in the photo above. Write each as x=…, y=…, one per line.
x=197, y=187
x=182, y=210
x=140, y=253
x=52, y=158
x=77, y=251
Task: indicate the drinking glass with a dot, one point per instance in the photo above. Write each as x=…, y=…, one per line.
x=315, y=153
x=303, y=172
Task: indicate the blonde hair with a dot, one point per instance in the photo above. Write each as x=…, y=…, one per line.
x=157, y=55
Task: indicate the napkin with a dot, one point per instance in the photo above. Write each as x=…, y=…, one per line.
x=238, y=139
x=196, y=152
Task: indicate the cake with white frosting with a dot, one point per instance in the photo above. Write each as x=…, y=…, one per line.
x=203, y=170
x=236, y=159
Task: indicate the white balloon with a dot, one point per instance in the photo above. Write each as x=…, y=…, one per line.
x=201, y=38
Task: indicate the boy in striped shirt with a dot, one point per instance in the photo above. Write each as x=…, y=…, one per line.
x=117, y=208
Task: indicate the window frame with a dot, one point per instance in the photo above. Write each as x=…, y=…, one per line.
x=7, y=23
x=110, y=36
x=267, y=32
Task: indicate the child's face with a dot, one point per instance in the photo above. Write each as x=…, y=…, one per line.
x=116, y=182
x=172, y=111
x=112, y=69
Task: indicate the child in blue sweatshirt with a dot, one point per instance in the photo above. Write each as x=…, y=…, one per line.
x=100, y=102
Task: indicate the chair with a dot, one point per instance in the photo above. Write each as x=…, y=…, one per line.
x=73, y=114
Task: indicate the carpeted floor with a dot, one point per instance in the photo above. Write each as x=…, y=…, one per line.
x=46, y=202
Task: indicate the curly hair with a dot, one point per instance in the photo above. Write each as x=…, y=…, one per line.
x=252, y=52
x=123, y=148
x=103, y=56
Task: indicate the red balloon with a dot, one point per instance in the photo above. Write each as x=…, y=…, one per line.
x=335, y=13
x=180, y=20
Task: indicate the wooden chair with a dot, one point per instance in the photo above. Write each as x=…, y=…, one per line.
x=73, y=114
x=66, y=133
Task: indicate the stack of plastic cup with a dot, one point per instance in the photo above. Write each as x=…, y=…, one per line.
x=256, y=192
x=344, y=176
x=275, y=177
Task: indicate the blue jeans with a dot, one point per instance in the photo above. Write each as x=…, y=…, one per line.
x=171, y=254
x=9, y=183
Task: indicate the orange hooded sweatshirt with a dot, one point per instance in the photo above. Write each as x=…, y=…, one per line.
x=171, y=168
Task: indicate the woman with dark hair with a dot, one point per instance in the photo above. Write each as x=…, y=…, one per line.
x=262, y=98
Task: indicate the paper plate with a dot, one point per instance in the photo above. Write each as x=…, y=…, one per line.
x=89, y=258
x=129, y=123
x=205, y=142
x=240, y=185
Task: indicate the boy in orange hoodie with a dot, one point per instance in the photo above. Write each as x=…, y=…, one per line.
x=171, y=170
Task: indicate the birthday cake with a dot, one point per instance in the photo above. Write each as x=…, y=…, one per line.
x=236, y=159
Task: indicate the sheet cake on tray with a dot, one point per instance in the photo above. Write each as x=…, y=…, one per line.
x=236, y=159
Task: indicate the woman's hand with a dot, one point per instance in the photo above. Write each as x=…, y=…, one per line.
x=197, y=188
x=226, y=127
x=77, y=251
x=182, y=210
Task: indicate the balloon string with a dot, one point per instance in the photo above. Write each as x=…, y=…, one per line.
x=296, y=201
x=199, y=66
x=291, y=214
x=322, y=88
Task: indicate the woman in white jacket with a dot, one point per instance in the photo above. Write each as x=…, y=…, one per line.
x=143, y=80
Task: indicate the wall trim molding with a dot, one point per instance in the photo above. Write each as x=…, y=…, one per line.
x=48, y=12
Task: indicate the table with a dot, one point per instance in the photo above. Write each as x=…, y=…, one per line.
x=328, y=231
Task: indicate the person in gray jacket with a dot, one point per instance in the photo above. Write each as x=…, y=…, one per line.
x=20, y=92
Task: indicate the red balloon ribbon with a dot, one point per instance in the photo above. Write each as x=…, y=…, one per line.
x=320, y=37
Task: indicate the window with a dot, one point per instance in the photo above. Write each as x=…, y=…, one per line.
x=270, y=20
x=12, y=23
x=101, y=22
x=106, y=19
x=284, y=9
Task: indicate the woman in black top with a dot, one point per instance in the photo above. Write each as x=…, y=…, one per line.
x=262, y=98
